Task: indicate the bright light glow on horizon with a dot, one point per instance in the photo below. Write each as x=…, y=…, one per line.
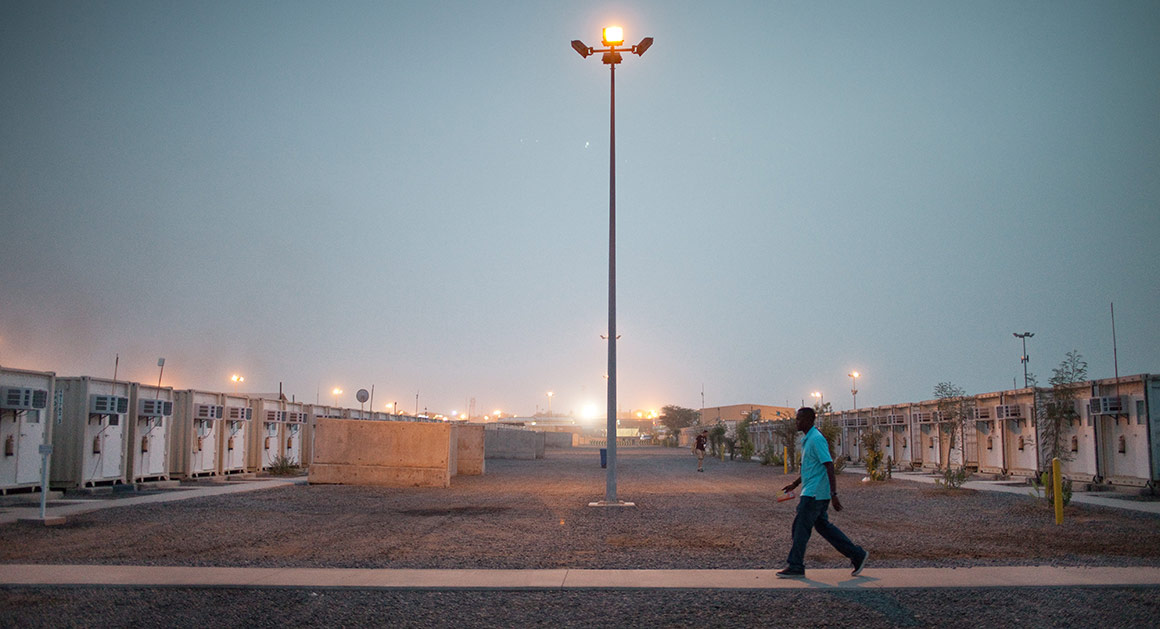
x=591, y=411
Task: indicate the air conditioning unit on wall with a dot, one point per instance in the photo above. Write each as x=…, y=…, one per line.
x=23, y=398
x=207, y=411
x=239, y=413
x=108, y=405
x=154, y=408
x=1106, y=405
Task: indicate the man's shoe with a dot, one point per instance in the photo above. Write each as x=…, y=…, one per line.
x=858, y=565
x=790, y=573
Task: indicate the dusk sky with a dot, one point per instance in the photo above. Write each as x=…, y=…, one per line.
x=414, y=195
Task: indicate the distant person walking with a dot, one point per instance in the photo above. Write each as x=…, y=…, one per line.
x=699, y=449
x=819, y=489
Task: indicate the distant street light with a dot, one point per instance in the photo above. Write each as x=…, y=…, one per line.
x=854, y=387
x=237, y=380
x=550, y=394
x=817, y=395
x=337, y=392
x=613, y=38
x=1024, y=358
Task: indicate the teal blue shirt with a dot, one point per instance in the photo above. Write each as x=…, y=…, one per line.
x=815, y=454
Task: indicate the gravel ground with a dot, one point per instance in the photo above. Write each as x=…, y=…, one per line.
x=534, y=514
x=1027, y=608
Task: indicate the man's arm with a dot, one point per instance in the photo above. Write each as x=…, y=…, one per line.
x=833, y=485
x=791, y=486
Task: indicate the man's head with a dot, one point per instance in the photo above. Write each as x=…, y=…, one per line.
x=805, y=418
x=705, y=432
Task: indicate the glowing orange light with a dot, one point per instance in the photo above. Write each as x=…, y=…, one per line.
x=613, y=36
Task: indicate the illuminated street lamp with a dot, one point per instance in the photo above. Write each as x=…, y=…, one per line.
x=613, y=38
x=550, y=394
x=817, y=395
x=337, y=392
x=237, y=380
x=854, y=387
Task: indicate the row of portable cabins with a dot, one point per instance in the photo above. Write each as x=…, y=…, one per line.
x=1114, y=437
x=107, y=432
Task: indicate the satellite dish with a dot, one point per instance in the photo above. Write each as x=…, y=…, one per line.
x=362, y=396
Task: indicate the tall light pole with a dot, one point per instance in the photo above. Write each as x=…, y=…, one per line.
x=1024, y=358
x=550, y=394
x=854, y=387
x=817, y=395
x=337, y=392
x=612, y=37
x=236, y=380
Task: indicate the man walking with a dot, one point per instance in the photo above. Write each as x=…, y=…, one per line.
x=699, y=449
x=819, y=489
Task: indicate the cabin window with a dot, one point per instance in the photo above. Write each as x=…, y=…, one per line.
x=990, y=443
x=1123, y=444
x=1020, y=443
x=1075, y=444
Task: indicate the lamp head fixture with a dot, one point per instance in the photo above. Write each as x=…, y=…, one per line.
x=613, y=36
x=579, y=47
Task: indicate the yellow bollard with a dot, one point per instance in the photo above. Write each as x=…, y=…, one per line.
x=1057, y=488
x=785, y=459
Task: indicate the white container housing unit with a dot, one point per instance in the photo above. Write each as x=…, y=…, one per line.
x=277, y=432
x=236, y=434
x=26, y=408
x=195, y=435
x=895, y=441
x=90, y=443
x=1019, y=437
x=294, y=437
x=151, y=416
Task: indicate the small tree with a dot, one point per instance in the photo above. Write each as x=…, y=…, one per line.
x=830, y=430
x=954, y=410
x=743, y=441
x=872, y=442
x=786, y=430
x=717, y=439
x=1055, y=407
x=675, y=418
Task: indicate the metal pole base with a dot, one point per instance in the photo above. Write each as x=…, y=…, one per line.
x=51, y=520
x=615, y=503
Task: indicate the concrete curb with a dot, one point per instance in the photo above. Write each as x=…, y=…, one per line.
x=563, y=579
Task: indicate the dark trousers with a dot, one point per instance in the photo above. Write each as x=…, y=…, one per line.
x=811, y=514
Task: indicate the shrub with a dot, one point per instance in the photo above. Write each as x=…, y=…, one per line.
x=283, y=466
x=1045, y=488
x=771, y=456
x=747, y=449
x=953, y=478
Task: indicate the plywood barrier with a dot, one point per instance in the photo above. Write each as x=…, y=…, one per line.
x=392, y=454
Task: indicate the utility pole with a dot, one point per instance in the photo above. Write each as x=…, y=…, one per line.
x=1024, y=358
